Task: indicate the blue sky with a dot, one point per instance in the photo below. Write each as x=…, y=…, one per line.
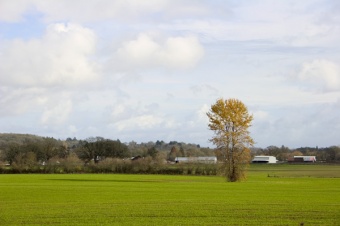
x=149, y=70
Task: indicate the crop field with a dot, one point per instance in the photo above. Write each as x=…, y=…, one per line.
x=272, y=195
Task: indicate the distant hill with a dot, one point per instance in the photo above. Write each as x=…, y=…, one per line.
x=6, y=138
x=135, y=148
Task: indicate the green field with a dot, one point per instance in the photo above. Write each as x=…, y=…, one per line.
x=272, y=195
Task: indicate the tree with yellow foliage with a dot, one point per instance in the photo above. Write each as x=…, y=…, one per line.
x=229, y=120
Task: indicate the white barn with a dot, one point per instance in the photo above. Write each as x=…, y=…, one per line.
x=304, y=159
x=264, y=159
x=203, y=159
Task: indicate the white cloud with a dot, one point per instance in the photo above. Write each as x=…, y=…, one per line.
x=19, y=101
x=72, y=129
x=141, y=51
x=260, y=115
x=38, y=75
x=307, y=125
x=140, y=122
x=181, y=52
x=118, y=111
x=89, y=11
x=60, y=57
x=12, y=11
x=296, y=23
x=202, y=113
x=115, y=68
x=287, y=23
x=174, y=52
x=56, y=113
x=322, y=74
x=85, y=11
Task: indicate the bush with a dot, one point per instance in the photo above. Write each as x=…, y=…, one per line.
x=147, y=165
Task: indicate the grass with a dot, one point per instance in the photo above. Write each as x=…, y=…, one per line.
x=294, y=194
x=297, y=170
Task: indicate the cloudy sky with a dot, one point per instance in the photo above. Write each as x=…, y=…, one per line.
x=149, y=70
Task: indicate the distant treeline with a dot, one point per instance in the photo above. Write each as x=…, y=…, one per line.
x=328, y=154
x=24, y=153
x=146, y=165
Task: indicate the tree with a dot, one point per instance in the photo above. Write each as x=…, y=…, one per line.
x=11, y=151
x=99, y=149
x=152, y=152
x=173, y=153
x=25, y=161
x=229, y=120
x=48, y=148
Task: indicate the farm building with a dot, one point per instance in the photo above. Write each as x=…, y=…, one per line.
x=204, y=159
x=264, y=159
x=302, y=159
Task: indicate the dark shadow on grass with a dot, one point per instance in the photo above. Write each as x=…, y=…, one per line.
x=94, y=180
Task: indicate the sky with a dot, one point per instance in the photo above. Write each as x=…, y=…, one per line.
x=150, y=70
